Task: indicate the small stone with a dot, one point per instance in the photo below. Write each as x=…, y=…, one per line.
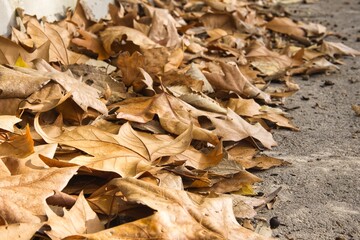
x=305, y=77
x=274, y=222
x=327, y=83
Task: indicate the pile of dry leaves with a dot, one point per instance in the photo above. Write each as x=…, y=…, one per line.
x=144, y=125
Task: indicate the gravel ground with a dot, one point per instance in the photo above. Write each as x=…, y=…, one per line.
x=320, y=197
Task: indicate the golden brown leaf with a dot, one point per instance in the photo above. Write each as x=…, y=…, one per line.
x=92, y=43
x=232, y=79
x=19, y=231
x=18, y=145
x=176, y=117
x=23, y=196
x=79, y=219
x=200, y=218
x=285, y=25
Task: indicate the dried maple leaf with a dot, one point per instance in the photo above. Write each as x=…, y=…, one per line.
x=163, y=28
x=58, y=46
x=79, y=219
x=120, y=33
x=18, y=145
x=199, y=217
x=23, y=196
x=10, y=51
x=129, y=153
x=92, y=43
x=85, y=96
x=337, y=49
x=285, y=25
x=176, y=116
x=232, y=79
x=268, y=62
x=19, y=231
x=19, y=84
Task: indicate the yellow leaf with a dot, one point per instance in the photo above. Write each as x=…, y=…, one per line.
x=21, y=63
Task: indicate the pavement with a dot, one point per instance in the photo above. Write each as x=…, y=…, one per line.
x=320, y=196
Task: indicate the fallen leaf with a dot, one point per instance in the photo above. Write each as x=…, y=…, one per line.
x=176, y=116
x=232, y=79
x=267, y=61
x=49, y=33
x=285, y=25
x=18, y=145
x=20, y=231
x=7, y=122
x=121, y=33
x=200, y=218
x=128, y=153
x=92, y=43
x=19, y=200
x=84, y=95
x=334, y=49
x=79, y=219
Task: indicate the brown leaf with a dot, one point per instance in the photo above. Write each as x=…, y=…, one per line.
x=163, y=27
x=50, y=33
x=45, y=99
x=10, y=51
x=285, y=25
x=200, y=218
x=129, y=153
x=244, y=107
x=19, y=84
x=23, y=196
x=276, y=116
x=268, y=62
x=32, y=162
x=19, y=231
x=84, y=95
x=129, y=66
x=232, y=79
x=18, y=145
x=92, y=43
x=120, y=33
x=79, y=219
x=337, y=49
x=176, y=116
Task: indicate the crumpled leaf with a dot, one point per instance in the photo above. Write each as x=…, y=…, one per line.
x=79, y=219
x=267, y=61
x=18, y=145
x=92, y=43
x=10, y=52
x=84, y=95
x=119, y=33
x=7, y=122
x=163, y=28
x=175, y=116
x=337, y=49
x=49, y=33
x=128, y=153
x=200, y=218
x=232, y=79
x=19, y=84
x=285, y=25
x=22, y=197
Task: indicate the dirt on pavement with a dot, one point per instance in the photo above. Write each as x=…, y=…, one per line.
x=320, y=196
